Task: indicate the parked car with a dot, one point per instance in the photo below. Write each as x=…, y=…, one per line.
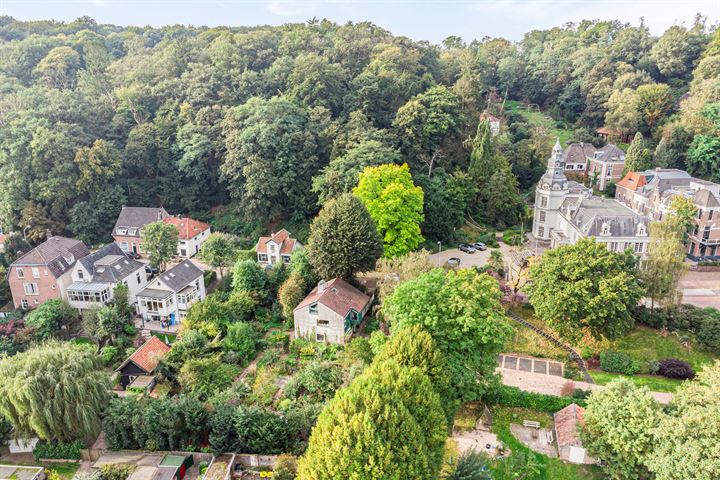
x=151, y=270
x=479, y=246
x=464, y=247
x=453, y=261
x=133, y=255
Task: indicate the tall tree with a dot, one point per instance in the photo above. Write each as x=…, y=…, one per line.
x=462, y=312
x=220, y=250
x=51, y=317
x=585, y=286
x=663, y=156
x=618, y=424
x=686, y=438
x=343, y=239
x=665, y=262
x=74, y=376
x=639, y=157
x=395, y=203
x=388, y=423
x=160, y=241
x=481, y=159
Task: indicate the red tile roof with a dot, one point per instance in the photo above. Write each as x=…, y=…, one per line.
x=282, y=238
x=633, y=181
x=567, y=425
x=187, y=227
x=339, y=296
x=148, y=355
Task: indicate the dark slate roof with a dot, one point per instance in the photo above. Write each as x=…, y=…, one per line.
x=610, y=153
x=578, y=152
x=109, y=264
x=59, y=254
x=138, y=217
x=180, y=275
x=590, y=214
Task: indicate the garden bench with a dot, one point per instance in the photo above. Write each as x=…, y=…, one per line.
x=531, y=424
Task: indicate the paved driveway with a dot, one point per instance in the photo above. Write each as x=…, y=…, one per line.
x=701, y=289
x=477, y=259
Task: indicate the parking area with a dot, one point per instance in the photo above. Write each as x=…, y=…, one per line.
x=477, y=259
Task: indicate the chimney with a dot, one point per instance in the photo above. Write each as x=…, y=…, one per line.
x=321, y=286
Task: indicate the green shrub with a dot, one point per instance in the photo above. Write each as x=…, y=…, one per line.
x=129, y=329
x=618, y=362
x=489, y=239
x=109, y=354
x=513, y=237
x=674, y=368
x=209, y=277
x=116, y=472
x=514, y=397
x=653, y=367
x=60, y=451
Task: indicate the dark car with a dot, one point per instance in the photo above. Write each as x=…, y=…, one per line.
x=151, y=270
x=132, y=255
x=464, y=247
x=479, y=246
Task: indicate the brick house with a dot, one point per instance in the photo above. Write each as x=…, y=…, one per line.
x=191, y=234
x=606, y=165
x=277, y=247
x=577, y=155
x=127, y=229
x=331, y=312
x=651, y=193
x=44, y=273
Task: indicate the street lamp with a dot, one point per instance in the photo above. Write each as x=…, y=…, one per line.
x=439, y=249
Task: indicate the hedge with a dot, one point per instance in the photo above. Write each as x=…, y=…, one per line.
x=703, y=322
x=514, y=397
x=58, y=451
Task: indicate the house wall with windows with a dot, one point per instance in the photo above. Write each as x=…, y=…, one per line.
x=32, y=286
x=317, y=322
x=129, y=243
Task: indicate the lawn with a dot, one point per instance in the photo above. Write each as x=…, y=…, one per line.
x=66, y=470
x=653, y=383
x=643, y=343
x=541, y=120
x=646, y=344
x=165, y=336
x=550, y=468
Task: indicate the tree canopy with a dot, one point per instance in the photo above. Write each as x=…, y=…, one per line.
x=585, y=286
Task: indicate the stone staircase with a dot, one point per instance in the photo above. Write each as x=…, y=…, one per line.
x=573, y=354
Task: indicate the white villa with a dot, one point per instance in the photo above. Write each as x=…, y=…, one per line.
x=95, y=276
x=566, y=211
x=171, y=294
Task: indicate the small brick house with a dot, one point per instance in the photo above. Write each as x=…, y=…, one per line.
x=142, y=362
x=568, y=422
x=606, y=165
x=44, y=273
x=127, y=229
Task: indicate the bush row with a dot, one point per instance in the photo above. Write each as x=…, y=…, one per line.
x=703, y=322
x=54, y=450
x=514, y=397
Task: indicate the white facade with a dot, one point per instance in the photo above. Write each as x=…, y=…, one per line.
x=190, y=247
x=168, y=298
x=276, y=248
x=318, y=323
x=93, y=289
x=550, y=193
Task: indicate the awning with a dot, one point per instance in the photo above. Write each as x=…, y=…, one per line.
x=154, y=293
x=88, y=287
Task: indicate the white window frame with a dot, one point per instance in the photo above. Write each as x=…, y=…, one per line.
x=20, y=272
x=35, y=272
x=32, y=291
x=24, y=304
x=313, y=308
x=320, y=337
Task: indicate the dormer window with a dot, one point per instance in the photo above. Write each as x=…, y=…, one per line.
x=132, y=231
x=605, y=229
x=80, y=274
x=121, y=231
x=641, y=231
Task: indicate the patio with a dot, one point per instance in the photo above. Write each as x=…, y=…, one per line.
x=156, y=326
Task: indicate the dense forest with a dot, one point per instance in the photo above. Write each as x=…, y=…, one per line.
x=255, y=127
